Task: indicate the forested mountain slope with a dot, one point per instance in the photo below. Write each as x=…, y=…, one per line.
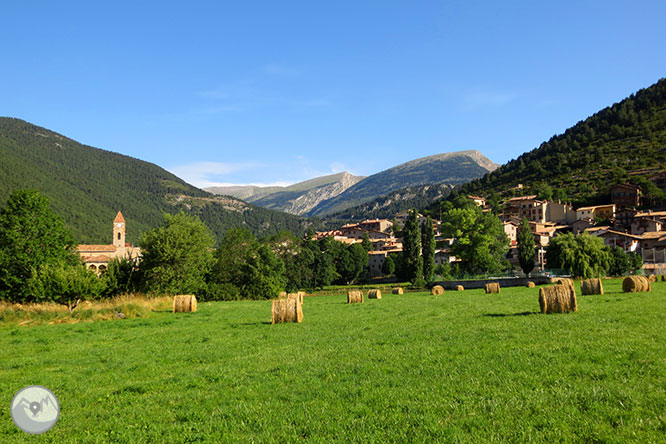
x=87, y=186
x=623, y=142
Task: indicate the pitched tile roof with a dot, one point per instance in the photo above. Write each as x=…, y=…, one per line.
x=119, y=218
x=84, y=247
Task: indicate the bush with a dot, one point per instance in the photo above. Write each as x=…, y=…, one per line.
x=65, y=284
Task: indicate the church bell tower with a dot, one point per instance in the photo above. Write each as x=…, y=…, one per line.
x=119, y=231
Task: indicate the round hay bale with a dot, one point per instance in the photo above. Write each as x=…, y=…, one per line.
x=297, y=296
x=398, y=290
x=591, y=286
x=557, y=299
x=460, y=288
x=184, y=303
x=437, y=289
x=566, y=281
x=354, y=297
x=286, y=310
x=493, y=287
x=282, y=295
x=635, y=284
x=374, y=294
x=531, y=284
x=663, y=278
x=652, y=278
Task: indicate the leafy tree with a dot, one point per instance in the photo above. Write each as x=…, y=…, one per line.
x=122, y=276
x=65, y=284
x=480, y=241
x=367, y=243
x=544, y=192
x=428, y=249
x=245, y=268
x=388, y=267
x=177, y=255
x=636, y=261
x=411, y=248
x=352, y=263
x=325, y=271
x=262, y=275
x=443, y=270
x=584, y=256
x=526, y=250
x=620, y=262
x=31, y=237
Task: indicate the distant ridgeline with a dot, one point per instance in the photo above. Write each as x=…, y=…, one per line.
x=623, y=142
x=87, y=186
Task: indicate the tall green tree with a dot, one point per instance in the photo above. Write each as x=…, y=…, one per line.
x=584, y=256
x=177, y=255
x=480, y=241
x=388, y=267
x=620, y=262
x=526, y=249
x=31, y=236
x=352, y=263
x=428, y=249
x=411, y=248
x=246, y=268
x=367, y=243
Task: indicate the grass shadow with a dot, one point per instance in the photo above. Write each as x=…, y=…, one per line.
x=238, y=324
x=504, y=315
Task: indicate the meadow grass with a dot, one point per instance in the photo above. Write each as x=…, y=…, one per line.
x=459, y=367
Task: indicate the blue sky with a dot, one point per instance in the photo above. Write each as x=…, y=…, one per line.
x=279, y=92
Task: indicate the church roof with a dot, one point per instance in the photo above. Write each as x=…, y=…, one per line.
x=84, y=247
x=119, y=217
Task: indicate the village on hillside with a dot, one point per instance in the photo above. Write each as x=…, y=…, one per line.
x=619, y=223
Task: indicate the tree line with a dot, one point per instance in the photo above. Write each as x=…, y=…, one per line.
x=39, y=262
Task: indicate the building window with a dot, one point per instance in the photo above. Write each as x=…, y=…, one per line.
x=118, y=235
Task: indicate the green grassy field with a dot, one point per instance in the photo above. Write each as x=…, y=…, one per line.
x=460, y=367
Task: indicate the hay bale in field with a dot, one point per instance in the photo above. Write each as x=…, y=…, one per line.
x=296, y=296
x=354, y=297
x=374, y=294
x=663, y=278
x=493, y=287
x=398, y=290
x=591, y=286
x=282, y=295
x=566, y=281
x=635, y=284
x=286, y=310
x=557, y=299
x=184, y=303
x=437, y=289
x=460, y=288
x=531, y=284
x=652, y=278
x=302, y=295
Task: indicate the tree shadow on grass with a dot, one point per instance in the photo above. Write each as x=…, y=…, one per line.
x=505, y=315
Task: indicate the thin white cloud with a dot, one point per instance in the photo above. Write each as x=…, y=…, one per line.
x=253, y=184
x=204, y=174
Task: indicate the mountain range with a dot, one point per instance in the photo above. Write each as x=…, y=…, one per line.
x=336, y=193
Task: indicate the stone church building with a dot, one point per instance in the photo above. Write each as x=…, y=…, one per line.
x=97, y=257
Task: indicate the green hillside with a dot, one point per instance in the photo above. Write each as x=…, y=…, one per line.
x=623, y=142
x=87, y=186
